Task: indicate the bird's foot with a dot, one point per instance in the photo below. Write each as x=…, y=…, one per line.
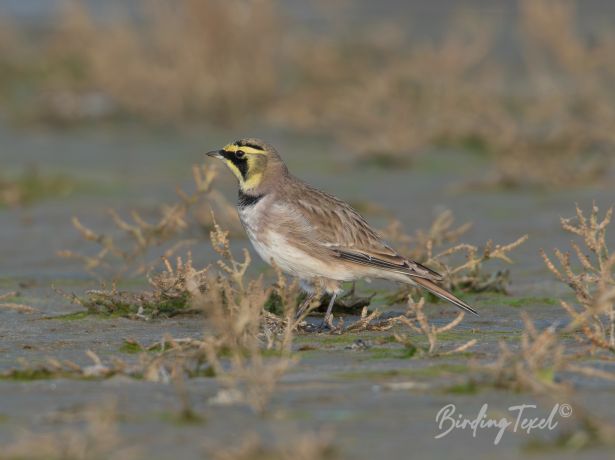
x=327, y=324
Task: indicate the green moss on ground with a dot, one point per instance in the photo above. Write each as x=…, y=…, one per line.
x=131, y=347
x=124, y=304
x=32, y=186
x=78, y=315
x=469, y=387
x=437, y=370
x=392, y=353
x=529, y=301
x=28, y=375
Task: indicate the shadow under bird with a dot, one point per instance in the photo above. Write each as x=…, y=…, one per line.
x=310, y=234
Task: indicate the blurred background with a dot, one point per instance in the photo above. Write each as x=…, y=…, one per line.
x=109, y=103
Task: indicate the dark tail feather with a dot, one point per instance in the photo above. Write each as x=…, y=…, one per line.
x=443, y=294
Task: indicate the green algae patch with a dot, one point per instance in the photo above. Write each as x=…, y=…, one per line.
x=438, y=370
x=76, y=316
x=207, y=372
x=274, y=304
x=271, y=353
x=131, y=347
x=376, y=375
x=32, y=186
x=493, y=299
x=15, y=298
x=27, y=375
x=392, y=353
x=470, y=387
x=34, y=374
x=529, y=301
x=441, y=369
x=123, y=304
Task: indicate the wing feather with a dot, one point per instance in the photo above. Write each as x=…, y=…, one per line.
x=402, y=265
x=444, y=294
x=336, y=226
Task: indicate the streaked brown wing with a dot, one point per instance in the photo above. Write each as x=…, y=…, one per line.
x=401, y=265
x=336, y=226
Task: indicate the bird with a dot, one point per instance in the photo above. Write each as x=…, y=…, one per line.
x=313, y=235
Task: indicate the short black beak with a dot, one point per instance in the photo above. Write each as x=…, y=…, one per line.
x=215, y=154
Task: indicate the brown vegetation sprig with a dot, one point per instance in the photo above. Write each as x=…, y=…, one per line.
x=534, y=365
x=543, y=365
x=367, y=321
x=133, y=245
x=420, y=244
x=593, y=283
x=468, y=275
x=237, y=332
x=172, y=293
x=413, y=318
x=539, y=363
x=417, y=321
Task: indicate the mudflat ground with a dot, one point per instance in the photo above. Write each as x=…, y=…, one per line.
x=372, y=401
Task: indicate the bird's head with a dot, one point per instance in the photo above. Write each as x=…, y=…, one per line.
x=253, y=161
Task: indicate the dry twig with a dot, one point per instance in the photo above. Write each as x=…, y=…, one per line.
x=594, y=283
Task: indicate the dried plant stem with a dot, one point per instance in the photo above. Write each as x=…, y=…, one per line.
x=468, y=275
x=421, y=325
x=594, y=284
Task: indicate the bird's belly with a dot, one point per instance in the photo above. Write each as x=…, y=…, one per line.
x=289, y=258
x=272, y=245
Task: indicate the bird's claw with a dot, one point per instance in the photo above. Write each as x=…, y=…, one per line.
x=326, y=324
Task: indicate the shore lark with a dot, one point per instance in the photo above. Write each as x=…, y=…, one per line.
x=310, y=234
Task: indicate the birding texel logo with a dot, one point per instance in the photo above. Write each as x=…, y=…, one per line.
x=522, y=418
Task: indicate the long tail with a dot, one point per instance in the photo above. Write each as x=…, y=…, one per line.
x=443, y=294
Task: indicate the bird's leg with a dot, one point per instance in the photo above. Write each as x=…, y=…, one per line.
x=305, y=305
x=325, y=321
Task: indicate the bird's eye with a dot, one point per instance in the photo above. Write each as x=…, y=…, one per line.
x=239, y=154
